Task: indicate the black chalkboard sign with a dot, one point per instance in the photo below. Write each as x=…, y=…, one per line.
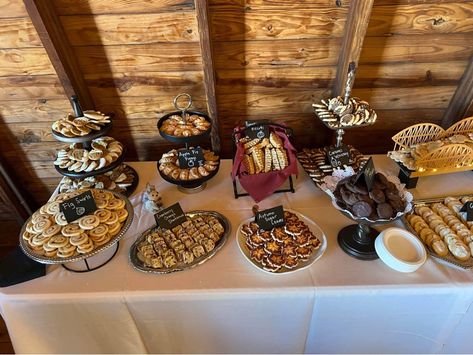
x=78, y=206
x=270, y=218
x=257, y=131
x=367, y=173
x=170, y=217
x=191, y=158
x=468, y=208
x=338, y=156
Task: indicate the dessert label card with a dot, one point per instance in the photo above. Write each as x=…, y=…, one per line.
x=78, y=206
x=170, y=217
x=367, y=173
x=338, y=156
x=468, y=208
x=270, y=218
x=257, y=131
x=191, y=158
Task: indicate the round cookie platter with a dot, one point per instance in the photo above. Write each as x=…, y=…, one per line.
x=180, y=266
x=51, y=210
x=303, y=262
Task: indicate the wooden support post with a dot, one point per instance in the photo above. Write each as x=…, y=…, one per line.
x=355, y=30
x=462, y=98
x=201, y=8
x=59, y=51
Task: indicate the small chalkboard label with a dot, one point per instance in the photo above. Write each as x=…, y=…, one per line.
x=191, y=158
x=338, y=156
x=78, y=206
x=270, y=218
x=468, y=208
x=367, y=172
x=170, y=217
x=257, y=131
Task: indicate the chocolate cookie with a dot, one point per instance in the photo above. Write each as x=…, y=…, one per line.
x=392, y=194
x=384, y=210
x=362, y=209
x=381, y=178
x=377, y=196
x=349, y=197
x=398, y=205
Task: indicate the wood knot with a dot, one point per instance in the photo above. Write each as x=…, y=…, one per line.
x=338, y=3
x=437, y=21
x=29, y=137
x=428, y=76
x=189, y=30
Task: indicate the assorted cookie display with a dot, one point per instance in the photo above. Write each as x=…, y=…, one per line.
x=443, y=228
x=314, y=161
x=71, y=126
x=75, y=158
x=282, y=248
x=187, y=126
x=384, y=200
x=48, y=234
x=410, y=157
x=169, y=166
x=335, y=114
x=185, y=244
x=264, y=155
x=118, y=179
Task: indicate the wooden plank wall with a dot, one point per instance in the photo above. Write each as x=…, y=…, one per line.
x=273, y=58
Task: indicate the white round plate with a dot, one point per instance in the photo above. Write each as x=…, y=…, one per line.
x=316, y=255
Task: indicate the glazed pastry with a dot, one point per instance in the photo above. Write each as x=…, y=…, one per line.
x=190, y=125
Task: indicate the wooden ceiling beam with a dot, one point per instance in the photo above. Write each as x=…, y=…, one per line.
x=60, y=52
x=202, y=14
x=461, y=100
x=358, y=17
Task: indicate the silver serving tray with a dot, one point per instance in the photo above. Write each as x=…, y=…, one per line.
x=139, y=265
x=449, y=259
x=47, y=260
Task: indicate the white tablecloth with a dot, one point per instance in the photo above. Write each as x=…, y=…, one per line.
x=226, y=305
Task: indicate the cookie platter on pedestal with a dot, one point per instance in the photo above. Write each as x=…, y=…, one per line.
x=188, y=167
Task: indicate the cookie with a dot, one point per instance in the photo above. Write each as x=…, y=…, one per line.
x=362, y=209
x=384, y=211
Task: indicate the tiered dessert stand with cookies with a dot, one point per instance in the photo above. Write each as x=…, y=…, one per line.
x=188, y=128
x=91, y=160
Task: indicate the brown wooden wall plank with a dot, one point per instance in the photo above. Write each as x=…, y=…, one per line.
x=12, y=8
x=254, y=80
x=272, y=24
x=150, y=28
x=33, y=110
x=145, y=83
x=75, y=7
x=18, y=33
x=256, y=5
x=27, y=61
x=421, y=19
x=409, y=74
x=138, y=58
x=30, y=87
x=276, y=54
x=424, y=48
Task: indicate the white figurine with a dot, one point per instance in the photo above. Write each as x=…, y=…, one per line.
x=151, y=199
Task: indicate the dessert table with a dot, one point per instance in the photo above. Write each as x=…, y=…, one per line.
x=339, y=304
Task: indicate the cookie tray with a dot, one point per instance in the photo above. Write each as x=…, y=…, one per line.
x=449, y=259
x=47, y=260
x=138, y=264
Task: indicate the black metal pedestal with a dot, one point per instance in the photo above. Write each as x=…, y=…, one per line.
x=88, y=268
x=357, y=240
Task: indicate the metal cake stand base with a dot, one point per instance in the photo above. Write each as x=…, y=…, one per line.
x=357, y=240
x=92, y=263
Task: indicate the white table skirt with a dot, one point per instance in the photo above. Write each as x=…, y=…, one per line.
x=226, y=305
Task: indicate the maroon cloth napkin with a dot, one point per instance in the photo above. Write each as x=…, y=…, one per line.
x=261, y=185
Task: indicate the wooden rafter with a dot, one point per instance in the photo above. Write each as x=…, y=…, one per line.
x=358, y=18
x=461, y=99
x=59, y=51
x=201, y=8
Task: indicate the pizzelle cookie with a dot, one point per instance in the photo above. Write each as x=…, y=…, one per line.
x=51, y=236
